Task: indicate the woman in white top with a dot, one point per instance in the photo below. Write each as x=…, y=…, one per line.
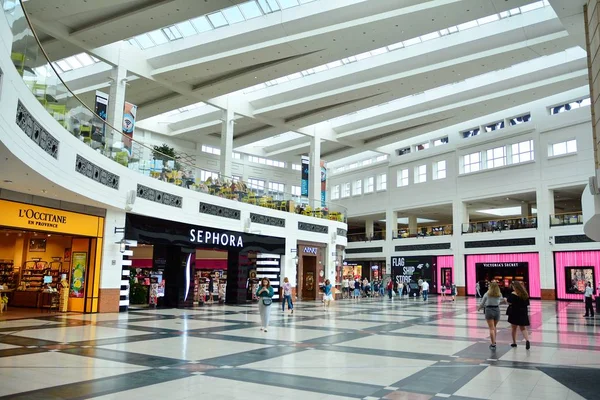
x=287, y=296
x=491, y=303
x=588, y=297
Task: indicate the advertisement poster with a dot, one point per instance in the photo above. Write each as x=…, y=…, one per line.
x=98, y=132
x=129, y=114
x=577, y=279
x=411, y=269
x=78, y=275
x=323, y=184
x=304, y=183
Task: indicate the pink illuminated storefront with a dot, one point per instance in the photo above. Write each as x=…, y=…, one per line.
x=504, y=268
x=572, y=269
x=445, y=272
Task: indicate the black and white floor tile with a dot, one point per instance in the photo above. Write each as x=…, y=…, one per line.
x=371, y=349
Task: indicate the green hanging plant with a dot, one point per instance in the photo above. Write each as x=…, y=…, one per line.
x=165, y=152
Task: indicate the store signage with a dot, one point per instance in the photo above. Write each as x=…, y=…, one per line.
x=26, y=216
x=502, y=265
x=201, y=236
x=304, y=183
x=310, y=250
x=411, y=269
x=374, y=267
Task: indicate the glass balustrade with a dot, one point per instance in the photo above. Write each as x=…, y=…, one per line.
x=563, y=219
x=499, y=225
x=85, y=123
x=364, y=237
x=422, y=232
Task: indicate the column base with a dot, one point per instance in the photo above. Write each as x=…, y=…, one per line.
x=548, y=294
x=109, y=300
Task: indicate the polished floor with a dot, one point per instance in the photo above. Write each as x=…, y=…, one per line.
x=371, y=349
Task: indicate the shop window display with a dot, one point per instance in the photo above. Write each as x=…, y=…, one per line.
x=577, y=279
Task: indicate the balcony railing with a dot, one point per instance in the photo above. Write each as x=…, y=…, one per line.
x=423, y=232
x=364, y=237
x=564, y=219
x=45, y=83
x=499, y=225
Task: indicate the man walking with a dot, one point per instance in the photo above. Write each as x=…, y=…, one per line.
x=425, y=290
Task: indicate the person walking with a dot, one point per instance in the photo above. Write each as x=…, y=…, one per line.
x=390, y=288
x=381, y=288
x=518, y=315
x=588, y=297
x=491, y=304
x=478, y=289
x=420, y=284
x=211, y=289
x=400, y=289
x=345, y=287
x=287, y=296
x=425, y=290
x=328, y=296
x=265, y=299
x=453, y=291
x=357, y=284
x=443, y=291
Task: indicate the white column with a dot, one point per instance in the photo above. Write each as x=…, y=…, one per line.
x=112, y=260
x=391, y=225
x=226, y=142
x=412, y=225
x=369, y=227
x=314, y=174
x=460, y=215
x=116, y=104
x=545, y=236
x=288, y=262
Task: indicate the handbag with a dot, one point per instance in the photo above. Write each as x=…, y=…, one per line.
x=267, y=301
x=509, y=310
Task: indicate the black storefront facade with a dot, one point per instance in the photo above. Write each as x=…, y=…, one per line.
x=410, y=269
x=175, y=244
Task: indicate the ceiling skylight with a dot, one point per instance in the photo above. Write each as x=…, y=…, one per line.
x=400, y=45
x=74, y=62
x=225, y=17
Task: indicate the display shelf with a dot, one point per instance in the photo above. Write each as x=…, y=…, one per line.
x=7, y=273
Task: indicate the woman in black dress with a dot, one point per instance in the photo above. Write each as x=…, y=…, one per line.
x=518, y=314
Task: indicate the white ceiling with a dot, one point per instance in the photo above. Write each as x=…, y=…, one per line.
x=366, y=105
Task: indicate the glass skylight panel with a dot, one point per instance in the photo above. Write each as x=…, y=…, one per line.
x=487, y=20
x=395, y=46
x=250, y=9
x=85, y=59
x=467, y=25
x=379, y=51
x=172, y=32
x=144, y=41
x=453, y=29
x=288, y=3
x=294, y=76
x=134, y=43
x=186, y=28
x=362, y=56
x=309, y=71
x=73, y=62
x=334, y=64
x=321, y=68
x=233, y=15
x=282, y=79
x=264, y=6
x=201, y=24
x=158, y=37
x=217, y=19
x=514, y=11
x=412, y=41
x=63, y=65
x=274, y=5
x=504, y=14
x=444, y=32
x=429, y=36
x=532, y=6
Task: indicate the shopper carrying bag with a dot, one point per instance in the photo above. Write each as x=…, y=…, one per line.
x=265, y=299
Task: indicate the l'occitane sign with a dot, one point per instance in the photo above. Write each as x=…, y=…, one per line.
x=27, y=216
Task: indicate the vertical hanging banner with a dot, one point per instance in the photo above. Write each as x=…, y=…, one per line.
x=98, y=129
x=129, y=113
x=305, y=169
x=323, y=183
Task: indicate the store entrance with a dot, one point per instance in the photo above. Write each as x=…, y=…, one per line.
x=309, y=279
x=504, y=273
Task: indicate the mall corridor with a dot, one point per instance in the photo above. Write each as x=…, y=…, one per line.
x=367, y=350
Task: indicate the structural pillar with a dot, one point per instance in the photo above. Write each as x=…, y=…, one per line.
x=116, y=104
x=314, y=174
x=226, y=142
x=460, y=216
x=525, y=210
x=412, y=225
x=369, y=228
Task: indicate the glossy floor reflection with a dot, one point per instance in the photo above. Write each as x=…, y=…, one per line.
x=372, y=349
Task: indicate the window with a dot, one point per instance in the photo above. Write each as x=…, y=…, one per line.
x=353, y=165
x=421, y=146
x=357, y=188
x=522, y=152
x=297, y=192
x=346, y=190
x=496, y=157
x=335, y=192
x=369, y=184
x=570, y=106
x=237, y=179
x=256, y=184
x=421, y=174
x=381, y=158
x=381, y=182
x=275, y=187
x=402, y=179
x=439, y=169
x=401, y=152
x=297, y=167
x=237, y=156
x=367, y=162
x=441, y=141
x=520, y=119
x=470, y=133
x=211, y=150
x=204, y=175
x=558, y=149
x=472, y=162
x=494, y=126
x=264, y=161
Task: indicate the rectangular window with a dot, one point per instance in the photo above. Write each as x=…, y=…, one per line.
x=367, y=162
x=256, y=184
x=520, y=119
x=381, y=182
x=440, y=141
x=472, y=162
x=570, y=106
x=402, y=178
x=439, y=169
x=496, y=157
x=421, y=146
x=401, y=152
x=236, y=179
x=381, y=158
x=297, y=167
x=421, y=173
x=494, y=126
x=357, y=188
x=237, y=156
x=211, y=150
x=470, y=133
x=522, y=152
x=346, y=190
x=557, y=149
x=296, y=191
x=204, y=175
x=369, y=184
x=335, y=192
x=275, y=187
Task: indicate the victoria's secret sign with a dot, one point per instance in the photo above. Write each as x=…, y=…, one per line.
x=502, y=265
